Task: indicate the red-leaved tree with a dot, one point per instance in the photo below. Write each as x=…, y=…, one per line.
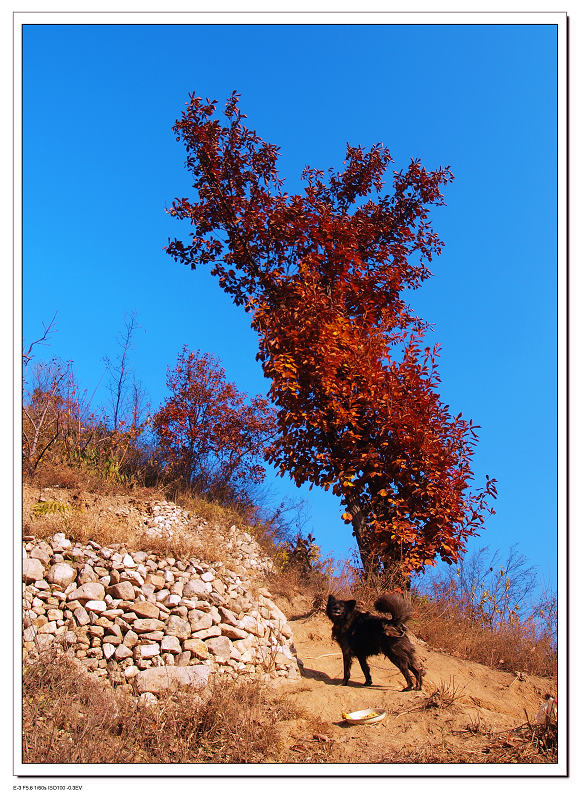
x=322, y=274
x=209, y=434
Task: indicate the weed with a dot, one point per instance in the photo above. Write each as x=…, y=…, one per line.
x=69, y=717
x=50, y=507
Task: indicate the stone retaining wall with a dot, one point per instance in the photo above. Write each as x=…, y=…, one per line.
x=152, y=621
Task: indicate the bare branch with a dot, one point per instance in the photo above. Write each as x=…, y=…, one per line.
x=27, y=355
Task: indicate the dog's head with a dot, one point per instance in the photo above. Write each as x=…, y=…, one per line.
x=339, y=609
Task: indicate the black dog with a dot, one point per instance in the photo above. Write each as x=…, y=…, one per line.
x=362, y=635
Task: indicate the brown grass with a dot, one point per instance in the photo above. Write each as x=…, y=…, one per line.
x=512, y=645
x=69, y=717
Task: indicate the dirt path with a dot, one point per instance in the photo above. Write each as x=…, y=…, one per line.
x=484, y=701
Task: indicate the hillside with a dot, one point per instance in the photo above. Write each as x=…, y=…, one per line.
x=466, y=713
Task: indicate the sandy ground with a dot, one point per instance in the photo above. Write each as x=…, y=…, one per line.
x=484, y=701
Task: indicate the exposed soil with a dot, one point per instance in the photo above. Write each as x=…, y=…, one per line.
x=484, y=702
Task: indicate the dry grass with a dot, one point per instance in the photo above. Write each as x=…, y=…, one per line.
x=512, y=645
x=69, y=717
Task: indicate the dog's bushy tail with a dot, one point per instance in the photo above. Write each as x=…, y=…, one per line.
x=398, y=606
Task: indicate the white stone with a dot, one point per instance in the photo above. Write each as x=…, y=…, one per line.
x=32, y=570
x=96, y=605
x=61, y=574
x=158, y=679
x=88, y=591
x=122, y=652
x=108, y=650
x=173, y=600
x=59, y=541
x=148, y=650
x=146, y=699
x=170, y=644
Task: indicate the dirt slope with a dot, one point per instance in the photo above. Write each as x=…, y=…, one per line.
x=485, y=701
x=474, y=703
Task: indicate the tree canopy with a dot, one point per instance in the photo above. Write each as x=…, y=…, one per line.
x=209, y=434
x=323, y=274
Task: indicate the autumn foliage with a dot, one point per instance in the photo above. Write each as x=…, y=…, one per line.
x=323, y=274
x=209, y=434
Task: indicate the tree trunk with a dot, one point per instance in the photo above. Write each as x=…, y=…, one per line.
x=362, y=535
x=375, y=560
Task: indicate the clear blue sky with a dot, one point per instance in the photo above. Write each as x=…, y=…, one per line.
x=101, y=165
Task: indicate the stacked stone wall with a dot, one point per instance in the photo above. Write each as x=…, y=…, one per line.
x=154, y=621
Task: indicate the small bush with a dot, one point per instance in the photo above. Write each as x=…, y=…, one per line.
x=70, y=717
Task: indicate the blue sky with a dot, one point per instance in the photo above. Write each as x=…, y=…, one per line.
x=100, y=165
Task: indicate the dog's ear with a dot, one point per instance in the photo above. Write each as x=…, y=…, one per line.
x=350, y=604
x=331, y=597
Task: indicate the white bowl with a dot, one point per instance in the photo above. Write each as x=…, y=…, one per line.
x=367, y=716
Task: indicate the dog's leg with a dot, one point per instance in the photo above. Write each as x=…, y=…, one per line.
x=346, y=662
x=418, y=672
x=402, y=664
x=366, y=671
x=405, y=670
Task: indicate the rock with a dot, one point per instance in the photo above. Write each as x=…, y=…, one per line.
x=145, y=625
x=96, y=605
x=146, y=610
x=123, y=652
x=198, y=620
x=232, y=632
x=59, y=542
x=61, y=574
x=228, y=616
x=176, y=626
x=108, y=650
x=81, y=616
x=213, y=631
x=173, y=600
x=196, y=588
x=32, y=570
x=147, y=651
x=158, y=581
x=159, y=679
x=170, y=644
x=146, y=700
x=220, y=647
x=130, y=639
x=249, y=624
x=87, y=575
x=122, y=591
x=42, y=551
x=128, y=561
x=48, y=627
x=134, y=577
x=88, y=591
x=196, y=647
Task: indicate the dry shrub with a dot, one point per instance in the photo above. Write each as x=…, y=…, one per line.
x=70, y=717
x=512, y=645
x=214, y=512
x=81, y=525
x=445, y=695
x=77, y=477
